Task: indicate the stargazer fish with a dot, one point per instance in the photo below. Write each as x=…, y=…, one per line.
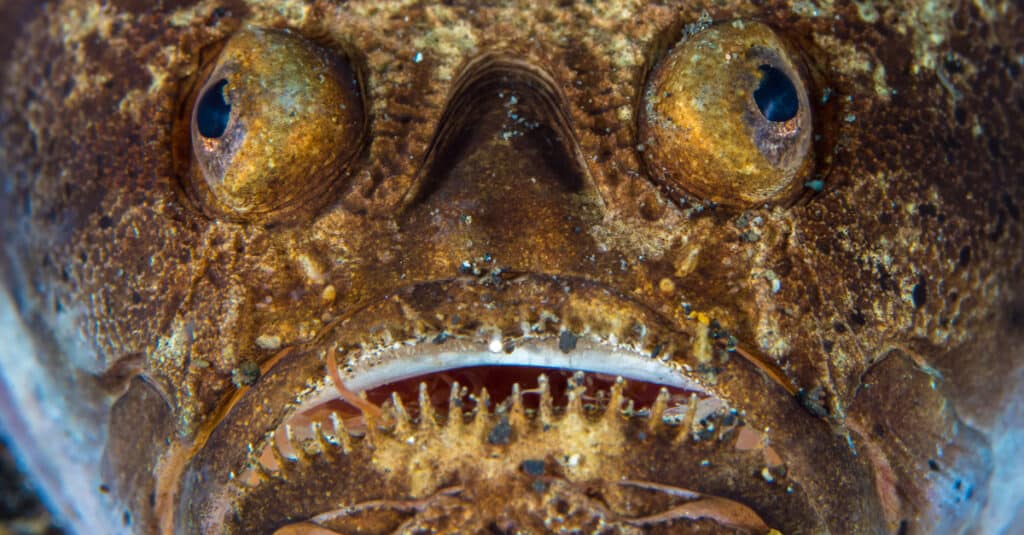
x=310, y=268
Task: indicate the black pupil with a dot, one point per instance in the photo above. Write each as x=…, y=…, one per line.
x=213, y=111
x=776, y=95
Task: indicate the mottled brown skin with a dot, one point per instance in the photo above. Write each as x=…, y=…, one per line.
x=889, y=302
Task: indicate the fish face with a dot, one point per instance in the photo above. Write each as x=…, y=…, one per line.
x=306, y=268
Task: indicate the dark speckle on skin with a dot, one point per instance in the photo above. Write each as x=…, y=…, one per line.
x=919, y=294
x=246, y=374
x=567, y=341
x=501, y=433
x=813, y=402
x=441, y=337
x=534, y=467
x=927, y=210
x=965, y=256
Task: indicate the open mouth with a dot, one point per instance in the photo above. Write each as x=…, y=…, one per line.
x=459, y=383
x=504, y=400
x=546, y=390
x=529, y=376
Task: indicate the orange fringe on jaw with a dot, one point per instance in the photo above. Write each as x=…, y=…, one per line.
x=774, y=372
x=362, y=404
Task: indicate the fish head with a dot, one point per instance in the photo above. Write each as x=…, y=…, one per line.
x=306, y=268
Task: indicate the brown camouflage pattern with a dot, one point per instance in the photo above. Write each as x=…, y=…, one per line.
x=872, y=330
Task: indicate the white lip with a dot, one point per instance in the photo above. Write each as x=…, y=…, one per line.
x=627, y=365
x=594, y=359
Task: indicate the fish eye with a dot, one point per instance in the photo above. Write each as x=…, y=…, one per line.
x=727, y=117
x=274, y=122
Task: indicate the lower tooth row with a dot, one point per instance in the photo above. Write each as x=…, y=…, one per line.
x=664, y=410
x=296, y=438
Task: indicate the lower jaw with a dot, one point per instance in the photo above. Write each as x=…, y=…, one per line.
x=576, y=439
x=259, y=471
x=523, y=465
x=601, y=439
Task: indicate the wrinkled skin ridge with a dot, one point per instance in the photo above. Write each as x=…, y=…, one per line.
x=512, y=180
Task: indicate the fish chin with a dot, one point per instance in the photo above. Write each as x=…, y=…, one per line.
x=591, y=412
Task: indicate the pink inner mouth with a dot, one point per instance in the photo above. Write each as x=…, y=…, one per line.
x=500, y=382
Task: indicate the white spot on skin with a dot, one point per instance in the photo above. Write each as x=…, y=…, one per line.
x=268, y=341
x=702, y=344
x=311, y=268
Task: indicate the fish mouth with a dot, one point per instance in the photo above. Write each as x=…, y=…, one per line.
x=577, y=406
x=462, y=375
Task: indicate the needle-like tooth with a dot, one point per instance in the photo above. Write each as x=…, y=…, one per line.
x=691, y=414
x=276, y=456
x=574, y=392
x=257, y=468
x=341, y=435
x=483, y=399
x=370, y=412
x=252, y=476
x=546, y=406
x=454, y=408
x=658, y=409
x=689, y=425
x=320, y=440
x=402, y=420
x=285, y=448
x=614, y=409
x=370, y=422
x=517, y=415
x=428, y=417
x=292, y=448
x=262, y=472
x=630, y=410
x=371, y=432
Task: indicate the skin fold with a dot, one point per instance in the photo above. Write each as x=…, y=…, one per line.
x=600, y=183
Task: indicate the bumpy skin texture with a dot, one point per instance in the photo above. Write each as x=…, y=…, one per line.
x=892, y=298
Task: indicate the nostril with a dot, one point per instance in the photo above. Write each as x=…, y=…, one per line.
x=507, y=119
